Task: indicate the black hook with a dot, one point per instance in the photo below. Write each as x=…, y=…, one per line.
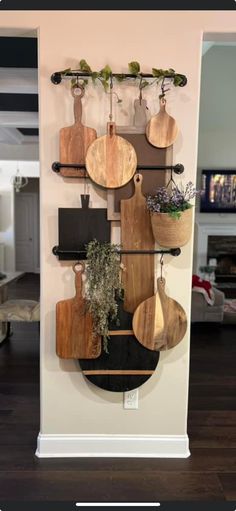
x=171, y=180
x=161, y=263
x=111, y=81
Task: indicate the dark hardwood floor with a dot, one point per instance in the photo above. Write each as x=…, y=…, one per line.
x=209, y=474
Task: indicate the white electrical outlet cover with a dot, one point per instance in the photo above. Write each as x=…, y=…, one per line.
x=131, y=399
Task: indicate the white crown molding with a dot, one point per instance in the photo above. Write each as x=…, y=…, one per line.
x=112, y=446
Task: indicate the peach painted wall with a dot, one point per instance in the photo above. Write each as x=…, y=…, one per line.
x=155, y=38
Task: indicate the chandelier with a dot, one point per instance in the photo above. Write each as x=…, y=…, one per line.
x=18, y=181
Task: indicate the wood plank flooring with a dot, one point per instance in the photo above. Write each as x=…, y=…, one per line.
x=209, y=474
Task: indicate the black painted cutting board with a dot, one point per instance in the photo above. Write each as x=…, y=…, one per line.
x=127, y=365
x=78, y=226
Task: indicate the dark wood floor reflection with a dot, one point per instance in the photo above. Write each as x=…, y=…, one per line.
x=209, y=474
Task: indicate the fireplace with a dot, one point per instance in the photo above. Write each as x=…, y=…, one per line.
x=223, y=250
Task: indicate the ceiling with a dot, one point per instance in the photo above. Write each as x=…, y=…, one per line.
x=18, y=89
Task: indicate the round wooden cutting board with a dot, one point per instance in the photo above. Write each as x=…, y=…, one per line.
x=111, y=160
x=159, y=323
x=162, y=130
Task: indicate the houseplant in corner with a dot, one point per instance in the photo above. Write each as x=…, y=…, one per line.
x=171, y=214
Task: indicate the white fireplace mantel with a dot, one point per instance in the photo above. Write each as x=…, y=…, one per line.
x=203, y=229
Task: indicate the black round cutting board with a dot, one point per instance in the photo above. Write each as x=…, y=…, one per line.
x=127, y=365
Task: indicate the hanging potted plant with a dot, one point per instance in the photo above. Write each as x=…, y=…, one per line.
x=103, y=286
x=171, y=214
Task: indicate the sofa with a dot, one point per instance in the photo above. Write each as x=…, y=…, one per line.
x=201, y=311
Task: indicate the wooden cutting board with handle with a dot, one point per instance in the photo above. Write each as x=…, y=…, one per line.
x=146, y=155
x=162, y=130
x=75, y=139
x=74, y=327
x=159, y=323
x=136, y=234
x=111, y=160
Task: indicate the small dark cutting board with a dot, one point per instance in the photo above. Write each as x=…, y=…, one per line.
x=78, y=226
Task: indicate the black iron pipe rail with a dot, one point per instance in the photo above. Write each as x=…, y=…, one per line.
x=178, y=168
x=58, y=76
x=57, y=251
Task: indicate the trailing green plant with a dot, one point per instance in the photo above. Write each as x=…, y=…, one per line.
x=159, y=75
x=103, y=286
x=172, y=200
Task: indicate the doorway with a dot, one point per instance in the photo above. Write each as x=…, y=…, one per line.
x=211, y=417
x=27, y=227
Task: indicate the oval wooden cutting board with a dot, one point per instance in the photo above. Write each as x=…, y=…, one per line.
x=162, y=130
x=111, y=160
x=136, y=234
x=159, y=323
x=74, y=326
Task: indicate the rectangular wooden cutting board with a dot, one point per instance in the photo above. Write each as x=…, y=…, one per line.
x=74, y=327
x=136, y=234
x=74, y=140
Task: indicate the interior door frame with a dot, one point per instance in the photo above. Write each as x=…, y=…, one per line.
x=36, y=245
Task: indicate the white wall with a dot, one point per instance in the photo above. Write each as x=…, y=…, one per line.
x=7, y=236
x=69, y=405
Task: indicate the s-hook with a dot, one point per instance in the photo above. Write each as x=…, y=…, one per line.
x=162, y=263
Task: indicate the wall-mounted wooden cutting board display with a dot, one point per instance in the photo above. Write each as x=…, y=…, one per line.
x=78, y=226
x=159, y=323
x=136, y=234
x=146, y=155
x=75, y=140
x=74, y=326
x=127, y=365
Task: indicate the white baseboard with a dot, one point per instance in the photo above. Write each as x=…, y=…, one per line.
x=112, y=446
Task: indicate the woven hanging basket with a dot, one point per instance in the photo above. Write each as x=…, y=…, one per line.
x=172, y=232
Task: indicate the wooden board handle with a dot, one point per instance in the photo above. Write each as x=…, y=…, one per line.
x=162, y=103
x=140, y=118
x=161, y=289
x=78, y=278
x=77, y=102
x=138, y=179
x=85, y=201
x=111, y=129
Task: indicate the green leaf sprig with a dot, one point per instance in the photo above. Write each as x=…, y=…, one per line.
x=134, y=68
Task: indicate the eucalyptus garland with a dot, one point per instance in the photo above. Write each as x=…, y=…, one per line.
x=103, y=286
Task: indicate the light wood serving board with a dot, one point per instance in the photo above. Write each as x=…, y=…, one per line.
x=136, y=234
x=162, y=130
x=75, y=140
x=159, y=323
x=111, y=160
x=74, y=327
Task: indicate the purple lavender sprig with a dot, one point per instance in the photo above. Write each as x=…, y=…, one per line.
x=171, y=201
